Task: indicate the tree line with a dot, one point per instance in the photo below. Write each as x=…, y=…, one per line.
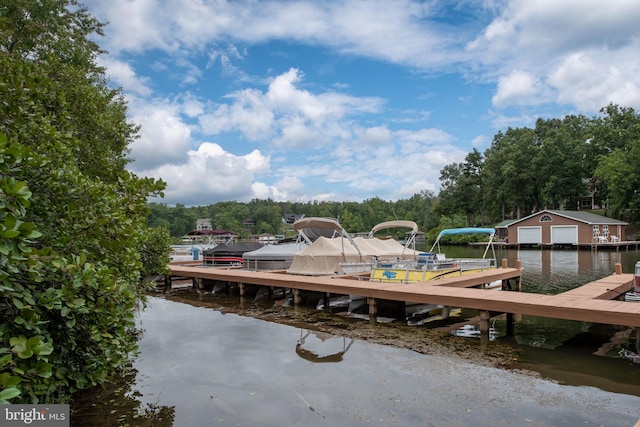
x=267, y=215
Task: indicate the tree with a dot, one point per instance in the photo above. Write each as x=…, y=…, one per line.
x=617, y=168
x=560, y=161
x=67, y=301
x=510, y=181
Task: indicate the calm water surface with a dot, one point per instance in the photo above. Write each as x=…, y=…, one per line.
x=201, y=367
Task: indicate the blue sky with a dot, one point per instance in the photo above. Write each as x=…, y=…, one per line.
x=349, y=100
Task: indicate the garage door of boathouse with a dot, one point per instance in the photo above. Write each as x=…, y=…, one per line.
x=564, y=234
x=530, y=235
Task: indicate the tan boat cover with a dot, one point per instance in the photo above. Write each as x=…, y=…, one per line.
x=393, y=224
x=315, y=222
x=323, y=257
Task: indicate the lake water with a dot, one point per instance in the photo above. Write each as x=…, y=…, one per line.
x=203, y=366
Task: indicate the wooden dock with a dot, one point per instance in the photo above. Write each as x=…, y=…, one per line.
x=593, y=302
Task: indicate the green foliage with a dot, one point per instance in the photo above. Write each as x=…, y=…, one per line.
x=267, y=214
x=552, y=166
x=72, y=219
x=155, y=252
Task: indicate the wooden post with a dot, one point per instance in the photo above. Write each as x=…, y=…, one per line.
x=618, y=268
x=373, y=309
x=402, y=310
x=327, y=301
x=296, y=297
x=484, y=322
x=446, y=312
x=511, y=330
x=241, y=289
x=505, y=263
x=167, y=284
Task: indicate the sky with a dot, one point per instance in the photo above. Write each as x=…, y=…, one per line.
x=317, y=100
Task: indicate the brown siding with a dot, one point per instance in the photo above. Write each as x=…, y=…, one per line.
x=585, y=231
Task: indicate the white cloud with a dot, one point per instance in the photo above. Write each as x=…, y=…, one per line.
x=211, y=174
x=164, y=137
x=376, y=135
x=567, y=49
x=247, y=114
x=591, y=85
x=518, y=88
x=124, y=75
x=479, y=141
x=402, y=32
x=286, y=115
x=289, y=188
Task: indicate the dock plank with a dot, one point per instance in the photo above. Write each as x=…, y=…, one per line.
x=609, y=287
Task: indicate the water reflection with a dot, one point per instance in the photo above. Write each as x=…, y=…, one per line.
x=199, y=366
x=118, y=404
x=326, y=352
x=555, y=271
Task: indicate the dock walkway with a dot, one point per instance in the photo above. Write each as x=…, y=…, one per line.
x=593, y=302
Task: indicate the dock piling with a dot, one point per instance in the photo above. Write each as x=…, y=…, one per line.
x=373, y=309
x=484, y=322
x=618, y=268
x=327, y=301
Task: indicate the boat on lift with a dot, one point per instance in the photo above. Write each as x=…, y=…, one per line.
x=434, y=265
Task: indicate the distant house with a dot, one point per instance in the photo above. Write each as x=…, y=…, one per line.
x=210, y=236
x=560, y=227
x=203, y=224
x=591, y=200
x=264, y=238
x=290, y=218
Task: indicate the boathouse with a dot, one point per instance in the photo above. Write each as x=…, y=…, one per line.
x=562, y=227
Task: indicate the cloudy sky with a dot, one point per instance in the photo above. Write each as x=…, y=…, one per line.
x=349, y=100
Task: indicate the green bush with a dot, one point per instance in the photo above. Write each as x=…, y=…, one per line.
x=72, y=218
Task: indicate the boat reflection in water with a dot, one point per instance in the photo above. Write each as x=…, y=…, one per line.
x=321, y=347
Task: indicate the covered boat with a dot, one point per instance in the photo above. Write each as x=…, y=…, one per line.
x=309, y=229
x=272, y=257
x=412, y=226
x=325, y=256
x=228, y=255
x=394, y=252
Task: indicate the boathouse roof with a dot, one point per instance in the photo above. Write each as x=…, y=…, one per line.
x=581, y=216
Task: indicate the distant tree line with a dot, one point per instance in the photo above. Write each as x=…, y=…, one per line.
x=267, y=214
x=553, y=166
